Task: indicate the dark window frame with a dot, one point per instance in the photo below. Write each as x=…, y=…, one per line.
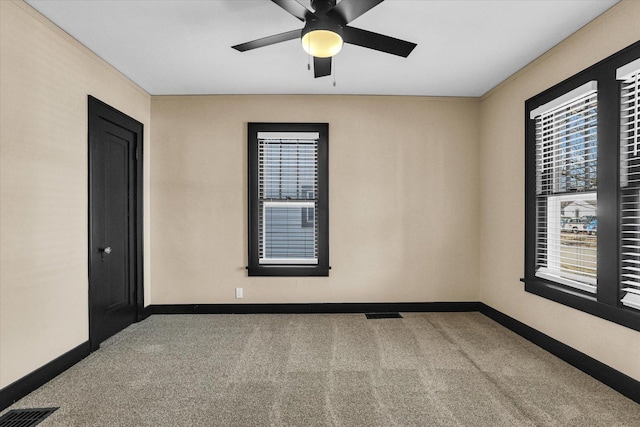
x=606, y=303
x=322, y=213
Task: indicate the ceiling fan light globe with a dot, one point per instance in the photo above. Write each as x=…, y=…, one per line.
x=322, y=43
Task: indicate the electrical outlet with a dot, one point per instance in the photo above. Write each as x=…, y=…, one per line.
x=238, y=292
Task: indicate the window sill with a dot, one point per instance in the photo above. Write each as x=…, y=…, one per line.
x=288, y=270
x=584, y=302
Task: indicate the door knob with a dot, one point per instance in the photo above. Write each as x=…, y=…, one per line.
x=106, y=250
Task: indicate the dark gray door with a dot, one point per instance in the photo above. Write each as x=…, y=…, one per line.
x=113, y=278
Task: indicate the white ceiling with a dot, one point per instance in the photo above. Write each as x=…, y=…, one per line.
x=465, y=48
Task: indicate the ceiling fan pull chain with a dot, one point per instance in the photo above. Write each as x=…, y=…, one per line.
x=333, y=64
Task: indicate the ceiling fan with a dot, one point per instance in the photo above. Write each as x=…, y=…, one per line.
x=325, y=30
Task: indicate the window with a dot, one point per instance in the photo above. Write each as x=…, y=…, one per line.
x=566, y=183
x=582, y=201
x=629, y=75
x=288, y=199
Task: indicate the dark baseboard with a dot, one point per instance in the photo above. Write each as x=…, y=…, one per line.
x=618, y=381
x=25, y=385
x=146, y=312
x=313, y=308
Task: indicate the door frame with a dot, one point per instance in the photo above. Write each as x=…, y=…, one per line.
x=99, y=110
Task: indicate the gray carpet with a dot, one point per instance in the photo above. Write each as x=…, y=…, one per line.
x=427, y=369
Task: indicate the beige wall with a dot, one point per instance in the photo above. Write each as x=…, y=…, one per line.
x=403, y=198
x=502, y=190
x=45, y=77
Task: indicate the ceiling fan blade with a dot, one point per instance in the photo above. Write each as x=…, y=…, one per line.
x=321, y=67
x=348, y=10
x=294, y=8
x=266, y=41
x=377, y=41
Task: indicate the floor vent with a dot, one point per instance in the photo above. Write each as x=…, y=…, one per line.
x=25, y=417
x=383, y=315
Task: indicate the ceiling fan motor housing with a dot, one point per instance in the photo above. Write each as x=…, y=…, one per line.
x=321, y=6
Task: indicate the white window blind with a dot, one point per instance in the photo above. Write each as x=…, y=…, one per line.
x=630, y=184
x=566, y=185
x=288, y=198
